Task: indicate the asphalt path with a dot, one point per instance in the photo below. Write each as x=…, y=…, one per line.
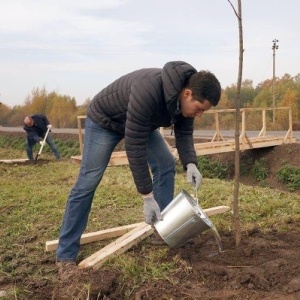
x=167, y=132
x=54, y=130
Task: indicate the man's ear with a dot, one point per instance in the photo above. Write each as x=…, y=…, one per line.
x=187, y=93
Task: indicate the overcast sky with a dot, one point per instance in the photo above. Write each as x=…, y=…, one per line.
x=78, y=47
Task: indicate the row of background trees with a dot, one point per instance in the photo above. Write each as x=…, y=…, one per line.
x=62, y=110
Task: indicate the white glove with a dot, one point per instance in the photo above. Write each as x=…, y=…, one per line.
x=49, y=126
x=151, y=209
x=42, y=143
x=194, y=177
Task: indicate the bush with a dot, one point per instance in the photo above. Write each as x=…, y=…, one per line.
x=211, y=169
x=260, y=170
x=290, y=176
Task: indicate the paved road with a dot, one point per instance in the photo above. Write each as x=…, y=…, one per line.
x=197, y=133
x=54, y=130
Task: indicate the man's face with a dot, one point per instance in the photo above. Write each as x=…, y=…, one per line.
x=190, y=107
x=29, y=122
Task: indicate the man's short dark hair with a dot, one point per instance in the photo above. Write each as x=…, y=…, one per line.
x=205, y=86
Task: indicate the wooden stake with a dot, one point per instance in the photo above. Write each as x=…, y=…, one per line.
x=97, y=236
x=119, y=246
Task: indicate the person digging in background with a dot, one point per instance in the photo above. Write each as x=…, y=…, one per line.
x=134, y=107
x=36, y=127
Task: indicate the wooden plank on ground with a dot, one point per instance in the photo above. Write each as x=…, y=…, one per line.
x=216, y=210
x=97, y=236
x=119, y=246
x=118, y=231
x=118, y=158
x=12, y=161
x=130, y=239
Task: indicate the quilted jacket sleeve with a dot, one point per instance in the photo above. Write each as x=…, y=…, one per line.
x=142, y=106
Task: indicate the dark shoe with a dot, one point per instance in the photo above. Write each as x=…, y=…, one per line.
x=156, y=239
x=66, y=269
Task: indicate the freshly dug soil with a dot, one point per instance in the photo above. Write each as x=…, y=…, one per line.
x=264, y=266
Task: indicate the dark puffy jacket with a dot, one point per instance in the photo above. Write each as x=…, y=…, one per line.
x=140, y=102
x=37, y=132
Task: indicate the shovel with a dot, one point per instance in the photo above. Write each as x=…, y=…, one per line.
x=42, y=146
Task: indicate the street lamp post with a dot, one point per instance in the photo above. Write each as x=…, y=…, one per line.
x=274, y=48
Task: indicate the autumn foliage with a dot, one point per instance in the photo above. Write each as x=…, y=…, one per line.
x=63, y=110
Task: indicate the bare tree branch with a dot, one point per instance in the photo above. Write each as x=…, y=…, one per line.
x=237, y=15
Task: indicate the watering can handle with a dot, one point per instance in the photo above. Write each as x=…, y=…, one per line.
x=196, y=196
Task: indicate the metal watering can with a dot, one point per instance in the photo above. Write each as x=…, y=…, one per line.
x=183, y=219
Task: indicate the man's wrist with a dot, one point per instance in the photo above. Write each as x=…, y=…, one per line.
x=189, y=164
x=147, y=196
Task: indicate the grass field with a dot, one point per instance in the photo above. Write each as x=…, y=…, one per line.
x=32, y=202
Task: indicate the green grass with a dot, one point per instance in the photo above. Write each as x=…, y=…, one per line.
x=33, y=198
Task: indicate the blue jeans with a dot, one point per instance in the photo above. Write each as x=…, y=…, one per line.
x=99, y=144
x=49, y=141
